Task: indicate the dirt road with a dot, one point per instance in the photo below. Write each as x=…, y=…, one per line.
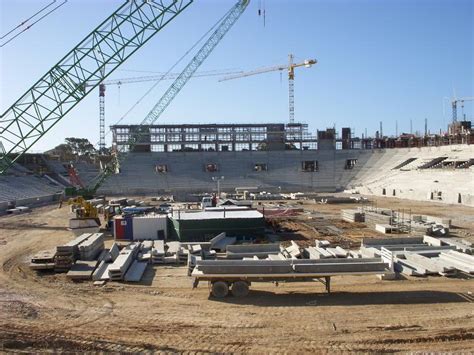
x=44, y=312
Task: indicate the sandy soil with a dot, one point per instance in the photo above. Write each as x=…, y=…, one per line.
x=40, y=312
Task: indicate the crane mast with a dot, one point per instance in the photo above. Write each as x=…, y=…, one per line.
x=103, y=86
x=58, y=91
x=290, y=68
x=226, y=24
x=454, y=104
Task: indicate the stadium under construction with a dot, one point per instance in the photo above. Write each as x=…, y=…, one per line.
x=309, y=239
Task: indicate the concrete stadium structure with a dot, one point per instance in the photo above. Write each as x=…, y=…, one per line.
x=441, y=174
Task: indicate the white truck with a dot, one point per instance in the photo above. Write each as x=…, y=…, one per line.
x=206, y=202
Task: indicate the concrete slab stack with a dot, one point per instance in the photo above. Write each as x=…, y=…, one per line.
x=82, y=270
x=43, y=260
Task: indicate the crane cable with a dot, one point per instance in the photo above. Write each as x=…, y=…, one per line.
x=168, y=72
x=35, y=22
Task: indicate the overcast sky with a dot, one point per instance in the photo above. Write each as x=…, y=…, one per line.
x=390, y=60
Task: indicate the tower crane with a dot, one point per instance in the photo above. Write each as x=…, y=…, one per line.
x=139, y=79
x=60, y=89
x=290, y=68
x=225, y=25
x=454, y=104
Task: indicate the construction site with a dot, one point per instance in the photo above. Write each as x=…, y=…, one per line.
x=224, y=237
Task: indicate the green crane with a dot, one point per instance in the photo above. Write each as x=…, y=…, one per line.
x=113, y=166
x=91, y=61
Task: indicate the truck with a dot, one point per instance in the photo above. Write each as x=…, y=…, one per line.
x=236, y=276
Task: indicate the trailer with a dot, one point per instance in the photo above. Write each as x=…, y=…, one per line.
x=236, y=276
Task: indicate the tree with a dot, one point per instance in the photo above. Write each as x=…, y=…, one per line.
x=81, y=146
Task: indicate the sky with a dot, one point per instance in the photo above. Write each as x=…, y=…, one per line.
x=394, y=61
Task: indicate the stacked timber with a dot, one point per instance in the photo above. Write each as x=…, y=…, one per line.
x=352, y=215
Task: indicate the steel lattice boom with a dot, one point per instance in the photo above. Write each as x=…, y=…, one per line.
x=91, y=61
x=226, y=24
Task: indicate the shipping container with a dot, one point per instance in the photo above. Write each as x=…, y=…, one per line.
x=150, y=227
x=123, y=228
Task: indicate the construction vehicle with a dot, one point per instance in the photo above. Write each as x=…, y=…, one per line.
x=92, y=60
x=139, y=79
x=224, y=26
x=290, y=68
x=236, y=276
x=86, y=216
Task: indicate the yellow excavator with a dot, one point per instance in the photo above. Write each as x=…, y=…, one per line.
x=87, y=215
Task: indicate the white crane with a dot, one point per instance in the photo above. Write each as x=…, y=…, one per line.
x=290, y=67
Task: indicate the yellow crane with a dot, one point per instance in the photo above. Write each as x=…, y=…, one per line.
x=290, y=67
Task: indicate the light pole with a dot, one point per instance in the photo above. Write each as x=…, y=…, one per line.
x=218, y=180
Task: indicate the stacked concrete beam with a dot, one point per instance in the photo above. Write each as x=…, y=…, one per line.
x=68, y=253
x=338, y=252
x=135, y=271
x=461, y=245
x=327, y=266
x=460, y=261
x=291, y=252
x=373, y=218
x=145, y=251
x=352, y=215
x=158, y=252
x=120, y=266
x=251, y=250
x=90, y=248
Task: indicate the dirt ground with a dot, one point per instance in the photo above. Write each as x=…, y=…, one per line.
x=46, y=312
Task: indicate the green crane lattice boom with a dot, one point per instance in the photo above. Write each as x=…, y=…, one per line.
x=214, y=39
x=92, y=60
